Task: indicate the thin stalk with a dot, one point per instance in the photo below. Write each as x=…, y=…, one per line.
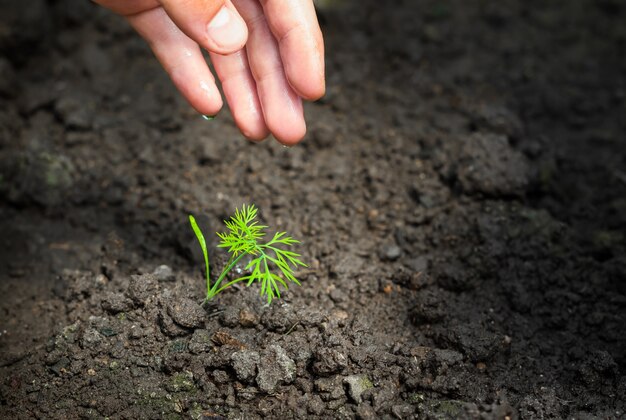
x=227, y=285
x=214, y=291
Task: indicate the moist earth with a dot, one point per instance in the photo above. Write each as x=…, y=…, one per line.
x=460, y=198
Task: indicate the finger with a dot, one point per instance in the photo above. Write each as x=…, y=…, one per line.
x=282, y=107
x=126, y=8
x=181, y=58
x=241, y=93
x=295, y=26
x=214, y=24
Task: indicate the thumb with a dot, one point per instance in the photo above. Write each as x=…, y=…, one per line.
x=214, y=24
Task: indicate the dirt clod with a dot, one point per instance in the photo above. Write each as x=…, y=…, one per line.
x=186, y=313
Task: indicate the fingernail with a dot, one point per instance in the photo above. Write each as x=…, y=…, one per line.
x=209, y=117
x=227, y=29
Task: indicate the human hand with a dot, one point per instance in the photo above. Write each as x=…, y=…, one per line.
x=268, y=55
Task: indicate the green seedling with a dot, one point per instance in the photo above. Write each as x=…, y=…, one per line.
x=270, y=264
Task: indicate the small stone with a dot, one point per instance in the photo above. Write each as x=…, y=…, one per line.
x=277, y=368
x=136, y=332
x=248, y=319
x=101, y=280
x=387, y=288
x=164, y=273
x=91, y=372
x=245, y=363
x=390, y=252
x=200, y=342
x=357, y=385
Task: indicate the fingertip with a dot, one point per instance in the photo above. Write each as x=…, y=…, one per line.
x=255, y=134
x=291, y=139
x=311, y=91
x=283, y=110
x=290, y=134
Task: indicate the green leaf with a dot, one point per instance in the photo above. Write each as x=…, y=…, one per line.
x=200, y=236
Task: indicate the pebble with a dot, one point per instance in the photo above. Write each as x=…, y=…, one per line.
x=357, y=385
x=164, y=273
x=277, y=368
x=200, y=342
x=390, y=252
x=248, y=319
x=245, y=363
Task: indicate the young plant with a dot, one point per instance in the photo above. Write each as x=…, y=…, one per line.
x=270, y=265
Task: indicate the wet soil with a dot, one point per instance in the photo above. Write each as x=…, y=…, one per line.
x=460, y=197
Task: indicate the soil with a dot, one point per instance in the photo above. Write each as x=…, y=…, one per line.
x=460, y=198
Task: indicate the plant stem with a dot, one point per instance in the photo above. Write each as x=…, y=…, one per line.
x=213, y=291
x=227, y=285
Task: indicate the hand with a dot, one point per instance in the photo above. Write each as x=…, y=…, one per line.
x=268, y=55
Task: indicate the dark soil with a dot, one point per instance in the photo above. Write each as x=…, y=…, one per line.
x=461, y=201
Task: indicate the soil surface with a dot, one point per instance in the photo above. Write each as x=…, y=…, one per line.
x=460, y=198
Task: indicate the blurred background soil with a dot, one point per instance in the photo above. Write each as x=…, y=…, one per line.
x=460, y=197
